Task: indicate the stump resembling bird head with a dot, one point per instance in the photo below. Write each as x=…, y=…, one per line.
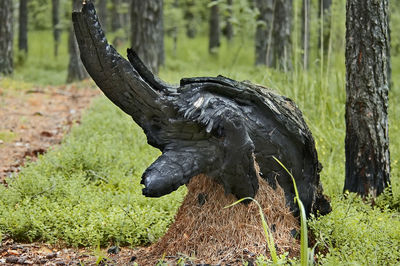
x=216, y=126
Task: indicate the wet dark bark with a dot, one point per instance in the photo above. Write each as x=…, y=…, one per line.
x=216, y=126
x=325, y=8
x=23, y=26
x=76, y=70
x=55, y=10
x=6, y=37
x=228, y=29
x=281, y=48
x=147, y=36
x=263, y=36
x=367, y=86
x=305, y=31
x=116, y=18
x=214, y=30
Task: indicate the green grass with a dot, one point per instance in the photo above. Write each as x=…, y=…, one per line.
x=88, y=191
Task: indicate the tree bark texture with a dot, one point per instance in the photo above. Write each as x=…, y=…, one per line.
x=228, y=130
x=76, y=70
x=228, y=30
x=214, y=30
x=325, y=8
x=23, y=26
x=116, y=17
x=263, y=37
x=147, y=37
x=281, y=49
x=55, y=10
x=367, y=86
x=305, y=31
x=6, y=37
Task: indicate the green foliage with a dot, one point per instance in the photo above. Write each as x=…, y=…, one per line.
x=87, y=191
x=355, y=232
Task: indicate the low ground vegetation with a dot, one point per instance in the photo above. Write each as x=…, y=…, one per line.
x=86, y=192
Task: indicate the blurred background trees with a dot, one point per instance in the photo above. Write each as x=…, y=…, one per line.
x=286, y=35
x=6, y=37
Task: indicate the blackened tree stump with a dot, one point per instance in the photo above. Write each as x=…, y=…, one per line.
x=226, y=130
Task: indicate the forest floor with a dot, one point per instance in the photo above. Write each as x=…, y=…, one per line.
x=32, y=121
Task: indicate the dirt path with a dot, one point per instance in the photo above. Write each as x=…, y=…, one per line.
x=33, y=120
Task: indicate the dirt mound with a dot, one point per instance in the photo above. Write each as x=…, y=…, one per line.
x=205, y=232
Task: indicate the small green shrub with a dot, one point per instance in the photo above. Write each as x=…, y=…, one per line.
x=355, y=232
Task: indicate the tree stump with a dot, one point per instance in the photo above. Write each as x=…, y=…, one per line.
x=226, y=131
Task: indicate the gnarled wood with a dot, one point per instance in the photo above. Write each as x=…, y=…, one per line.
x=209, y=125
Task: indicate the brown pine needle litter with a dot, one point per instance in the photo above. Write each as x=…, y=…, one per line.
x=205, y=232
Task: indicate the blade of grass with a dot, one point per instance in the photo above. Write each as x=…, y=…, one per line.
x=268, y=234
x=304, y=252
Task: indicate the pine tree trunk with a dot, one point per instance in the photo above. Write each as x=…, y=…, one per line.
x=147, y=37
x=116, y=19
x=367, y=86
x=214, y=30
x=325, y=8
x=102, y=13
x=191, y=29
x=281, y=35
x=228, y=30
x=305, y=31
x=6, y=37
x=23, y=26
x=56, y=21
x=76, y=70
x=263, y=37
x=160, y=30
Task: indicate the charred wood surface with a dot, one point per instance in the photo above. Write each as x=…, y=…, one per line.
x=225, y=129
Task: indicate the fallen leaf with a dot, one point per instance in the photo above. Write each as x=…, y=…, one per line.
x=13, y=252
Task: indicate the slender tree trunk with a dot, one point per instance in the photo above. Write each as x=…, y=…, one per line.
x=305, y=32
x=146, y=31
x=228, y=30
x=325, y=9
x=23, y=26
x=191, y=29
x=282, y=47
x=116, y=19
x=160, y=30
x=102, y=13
x=263, y=37
x=76, y=70
x=6, y=37
x=56, y=25
x=367, y=86
x=175, y=5
x=214, y=30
